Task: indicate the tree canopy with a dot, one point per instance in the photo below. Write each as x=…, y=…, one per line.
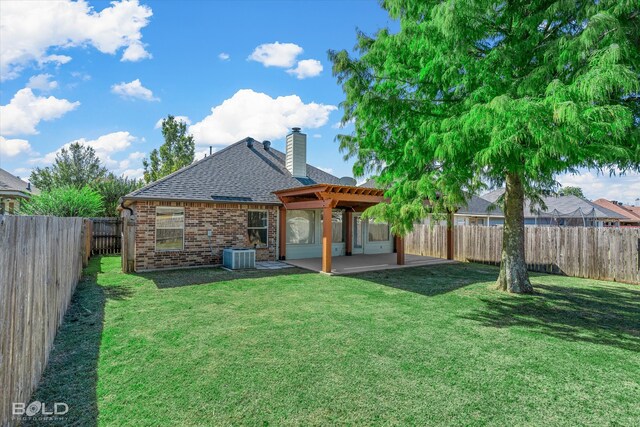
x=177, y=151
x=475, y=94
x=111, y=188
x=76, y=166
x=571, y=191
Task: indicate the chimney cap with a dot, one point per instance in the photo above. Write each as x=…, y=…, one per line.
x=296, y=129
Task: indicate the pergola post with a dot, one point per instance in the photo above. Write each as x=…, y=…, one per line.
x=282, y=233
x=400, y=250
x=326, y=238
x=349, y=232
x=450, y=236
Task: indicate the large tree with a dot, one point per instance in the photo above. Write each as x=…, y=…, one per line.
x=76, y=166
x=177, y=151
x=111, y=188
x=474, y=94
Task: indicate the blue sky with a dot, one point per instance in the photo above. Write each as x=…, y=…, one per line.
x=105, y=74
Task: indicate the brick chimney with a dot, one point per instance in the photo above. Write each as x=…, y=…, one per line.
x=296, y=160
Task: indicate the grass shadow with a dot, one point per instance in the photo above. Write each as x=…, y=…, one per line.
x=71, y=374
x=167, y=279
x=431, y=280
x=600, y=314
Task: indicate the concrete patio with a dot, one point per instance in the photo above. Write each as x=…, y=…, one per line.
x=362, y=263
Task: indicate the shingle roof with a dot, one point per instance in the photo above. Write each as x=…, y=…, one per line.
x=481, y=206
x=629, y=215
x=12, y=185
x=559, y=206
x=235, y=173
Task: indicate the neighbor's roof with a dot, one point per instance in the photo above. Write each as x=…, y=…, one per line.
x=237, y=173
x=11, y=185
x=559, y=206
x=479, y=206
x=629, y=215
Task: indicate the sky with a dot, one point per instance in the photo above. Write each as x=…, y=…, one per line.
x=106, y=73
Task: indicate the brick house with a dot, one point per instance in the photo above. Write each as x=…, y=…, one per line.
x=13, y=191
x=249, y=195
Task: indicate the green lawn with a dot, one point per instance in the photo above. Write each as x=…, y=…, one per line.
x=421, y=346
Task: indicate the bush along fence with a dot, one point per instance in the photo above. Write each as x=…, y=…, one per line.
x=41, y=260
x=588, y=252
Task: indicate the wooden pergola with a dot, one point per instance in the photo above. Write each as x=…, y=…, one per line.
x=328, y=197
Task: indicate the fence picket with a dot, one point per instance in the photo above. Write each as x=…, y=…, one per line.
x=589, y=252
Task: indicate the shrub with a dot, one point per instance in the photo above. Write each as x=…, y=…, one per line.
x=65, y=202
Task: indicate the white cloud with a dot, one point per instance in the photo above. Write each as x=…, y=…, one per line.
x=249, y=113
x=81, y=75
x=105, y=146
x=13, y=147
x=624, y=188
x=183, y=119
x=327, y=170
x=42, y=82
x=223, y=56
x=306, y=68
x=133, y=90
x=26, y=110
x=317, y=135
x=133, y=173
x=199, y=155
x=29, y=29
x=134, y=157
x=22, y=172
x=276, y=54
x=135, y=52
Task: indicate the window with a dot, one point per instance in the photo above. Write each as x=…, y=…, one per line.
x=169, y=229
x=337, y=231
x=378, y=231
x=301, y=226
x=257, y=223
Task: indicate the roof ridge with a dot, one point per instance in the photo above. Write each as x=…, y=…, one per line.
x=185, y=168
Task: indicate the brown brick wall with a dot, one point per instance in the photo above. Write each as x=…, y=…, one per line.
x=227, y=221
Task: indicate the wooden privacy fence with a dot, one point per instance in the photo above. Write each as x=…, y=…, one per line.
x=41, y=260
x=589, y=252
x=106, y=236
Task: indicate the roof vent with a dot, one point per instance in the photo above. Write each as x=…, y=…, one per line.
x=28, y=186
x=267, y=145
x=250, y=142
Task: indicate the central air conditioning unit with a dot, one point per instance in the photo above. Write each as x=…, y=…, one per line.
x=237, y=259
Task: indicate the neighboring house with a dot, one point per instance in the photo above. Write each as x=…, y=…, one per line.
x=251, y=195
x=631, y=216
x=13, y=191
x=560, y=210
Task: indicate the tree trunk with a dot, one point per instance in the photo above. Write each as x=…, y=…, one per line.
x=513, y=268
